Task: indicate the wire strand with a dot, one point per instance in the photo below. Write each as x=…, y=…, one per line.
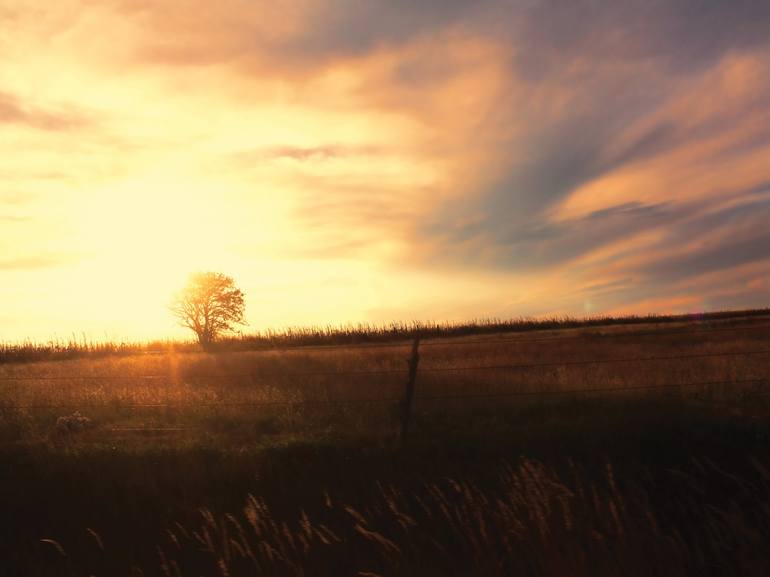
x=257, y=374
x=306, y=402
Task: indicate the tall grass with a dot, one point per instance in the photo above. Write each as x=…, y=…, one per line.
x=274, y=462
x=77, y=347
x=527, y=519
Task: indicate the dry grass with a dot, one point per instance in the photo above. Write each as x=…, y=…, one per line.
x=636, y=481
x=83, y=347
x=529, y=520
x=251, y=395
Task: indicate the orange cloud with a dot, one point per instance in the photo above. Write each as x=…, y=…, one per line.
x=355, y=161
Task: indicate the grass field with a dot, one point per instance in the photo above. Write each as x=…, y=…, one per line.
x=82, y=347
x=615, y=448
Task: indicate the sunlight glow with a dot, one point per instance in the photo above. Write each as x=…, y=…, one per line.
x=440, y=172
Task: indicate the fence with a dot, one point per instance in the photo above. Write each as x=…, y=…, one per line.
x=407, y=400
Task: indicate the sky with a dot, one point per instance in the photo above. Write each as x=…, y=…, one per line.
x=357, y=161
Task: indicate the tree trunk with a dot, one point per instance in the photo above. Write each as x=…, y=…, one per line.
x=205, y=340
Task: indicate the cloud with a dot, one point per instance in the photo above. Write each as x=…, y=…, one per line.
x=14, y=112
x=306, y=153
x=556, y=157
x=728, y=238
x=15, y=198
x=625, y=144
x=32, y=263
x=310, y=33
x=542, y=244
x=12, y=218
x=302, y=35
x=683, y=35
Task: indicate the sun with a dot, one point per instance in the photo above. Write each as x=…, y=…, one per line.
x=141, y=239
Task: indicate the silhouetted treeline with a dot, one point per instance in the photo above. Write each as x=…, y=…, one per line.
x=30, y=351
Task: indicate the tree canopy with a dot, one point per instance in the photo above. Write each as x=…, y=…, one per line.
x=209, y=305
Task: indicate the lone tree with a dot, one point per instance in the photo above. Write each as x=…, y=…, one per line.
x=209, y=305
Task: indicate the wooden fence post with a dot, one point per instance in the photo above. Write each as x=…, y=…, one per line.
x=412, y=362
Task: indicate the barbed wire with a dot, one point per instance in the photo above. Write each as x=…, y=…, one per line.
x=380, y=400
x=256, y=373
x=597, y=361
x=220, y=376
x=599, y=390
x=202, y=404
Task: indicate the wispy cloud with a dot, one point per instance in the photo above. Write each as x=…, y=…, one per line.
x=306, y=153
x=10, y=218
x=545, y=156
x=14, y=112
x=32, y=262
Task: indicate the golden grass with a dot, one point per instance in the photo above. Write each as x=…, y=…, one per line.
x=458, y=500
x=250, y=394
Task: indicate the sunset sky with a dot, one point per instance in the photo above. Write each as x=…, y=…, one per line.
x=362, y=161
